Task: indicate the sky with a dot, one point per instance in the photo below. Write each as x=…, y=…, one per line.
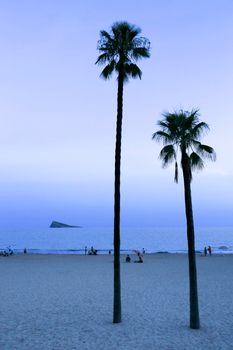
x=58, y=116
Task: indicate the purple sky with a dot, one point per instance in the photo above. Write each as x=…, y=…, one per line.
x=58, y=117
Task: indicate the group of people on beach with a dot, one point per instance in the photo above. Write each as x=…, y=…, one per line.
x=92, y=251
x=6, y=252
x=208, y=250
x=139, y=255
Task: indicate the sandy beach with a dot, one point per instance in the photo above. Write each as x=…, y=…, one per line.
x=56, y=302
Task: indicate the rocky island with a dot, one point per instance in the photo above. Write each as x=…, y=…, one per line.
x=56, y=224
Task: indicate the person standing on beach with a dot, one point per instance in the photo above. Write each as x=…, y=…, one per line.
x=205, y=251
x=210, y=250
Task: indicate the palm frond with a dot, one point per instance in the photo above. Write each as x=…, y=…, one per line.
x=176, y=173
x=161, y=136
x=199, y=129
x=167, y=155
x=196, y=163
x=141, y=52
x=191, y=118
x=196, y=144
x=102, y=59
x=104, y=35
x=207, y=152
x=108, y=70
x=163, y=124
x=133, y=70
x=125, y=27
x=133, y=32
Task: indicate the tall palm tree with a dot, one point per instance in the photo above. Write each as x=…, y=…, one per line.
x=181, y=131
x=119, y=51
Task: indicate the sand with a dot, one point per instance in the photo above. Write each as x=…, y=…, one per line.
x=56, y=302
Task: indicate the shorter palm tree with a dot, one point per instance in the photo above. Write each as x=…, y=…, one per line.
x=181, y=131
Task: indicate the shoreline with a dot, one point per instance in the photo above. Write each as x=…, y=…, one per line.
x=106, y=252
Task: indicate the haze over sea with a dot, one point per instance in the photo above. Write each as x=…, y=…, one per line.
x=74, y=240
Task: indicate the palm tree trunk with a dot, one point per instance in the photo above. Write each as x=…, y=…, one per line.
x=193, y=294
x=117, y=275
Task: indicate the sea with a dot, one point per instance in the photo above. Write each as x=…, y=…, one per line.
x=153, y=240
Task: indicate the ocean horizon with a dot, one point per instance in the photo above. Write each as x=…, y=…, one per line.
x=153, y=240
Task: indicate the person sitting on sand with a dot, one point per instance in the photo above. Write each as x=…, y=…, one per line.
x=128, y=258
x=4, y=253
x=140, y=258
x=92, y=251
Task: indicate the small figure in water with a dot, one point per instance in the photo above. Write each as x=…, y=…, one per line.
x=85, y=250
x=109, y=252
x=209, y=250
x=25, y=251
x=205, y=251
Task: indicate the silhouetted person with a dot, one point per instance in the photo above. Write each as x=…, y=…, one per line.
x=209, y=250
x=25, y=251
x=92, y=251
x=128, y=258
x=109, y=252
x=140, y=258
x=205, y=251
x=10, y=251
x=85, y=250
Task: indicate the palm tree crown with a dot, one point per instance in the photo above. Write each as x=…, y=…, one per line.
x=182, y=131
x=121, y=49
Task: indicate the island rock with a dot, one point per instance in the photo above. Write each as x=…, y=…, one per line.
x=56, y=224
